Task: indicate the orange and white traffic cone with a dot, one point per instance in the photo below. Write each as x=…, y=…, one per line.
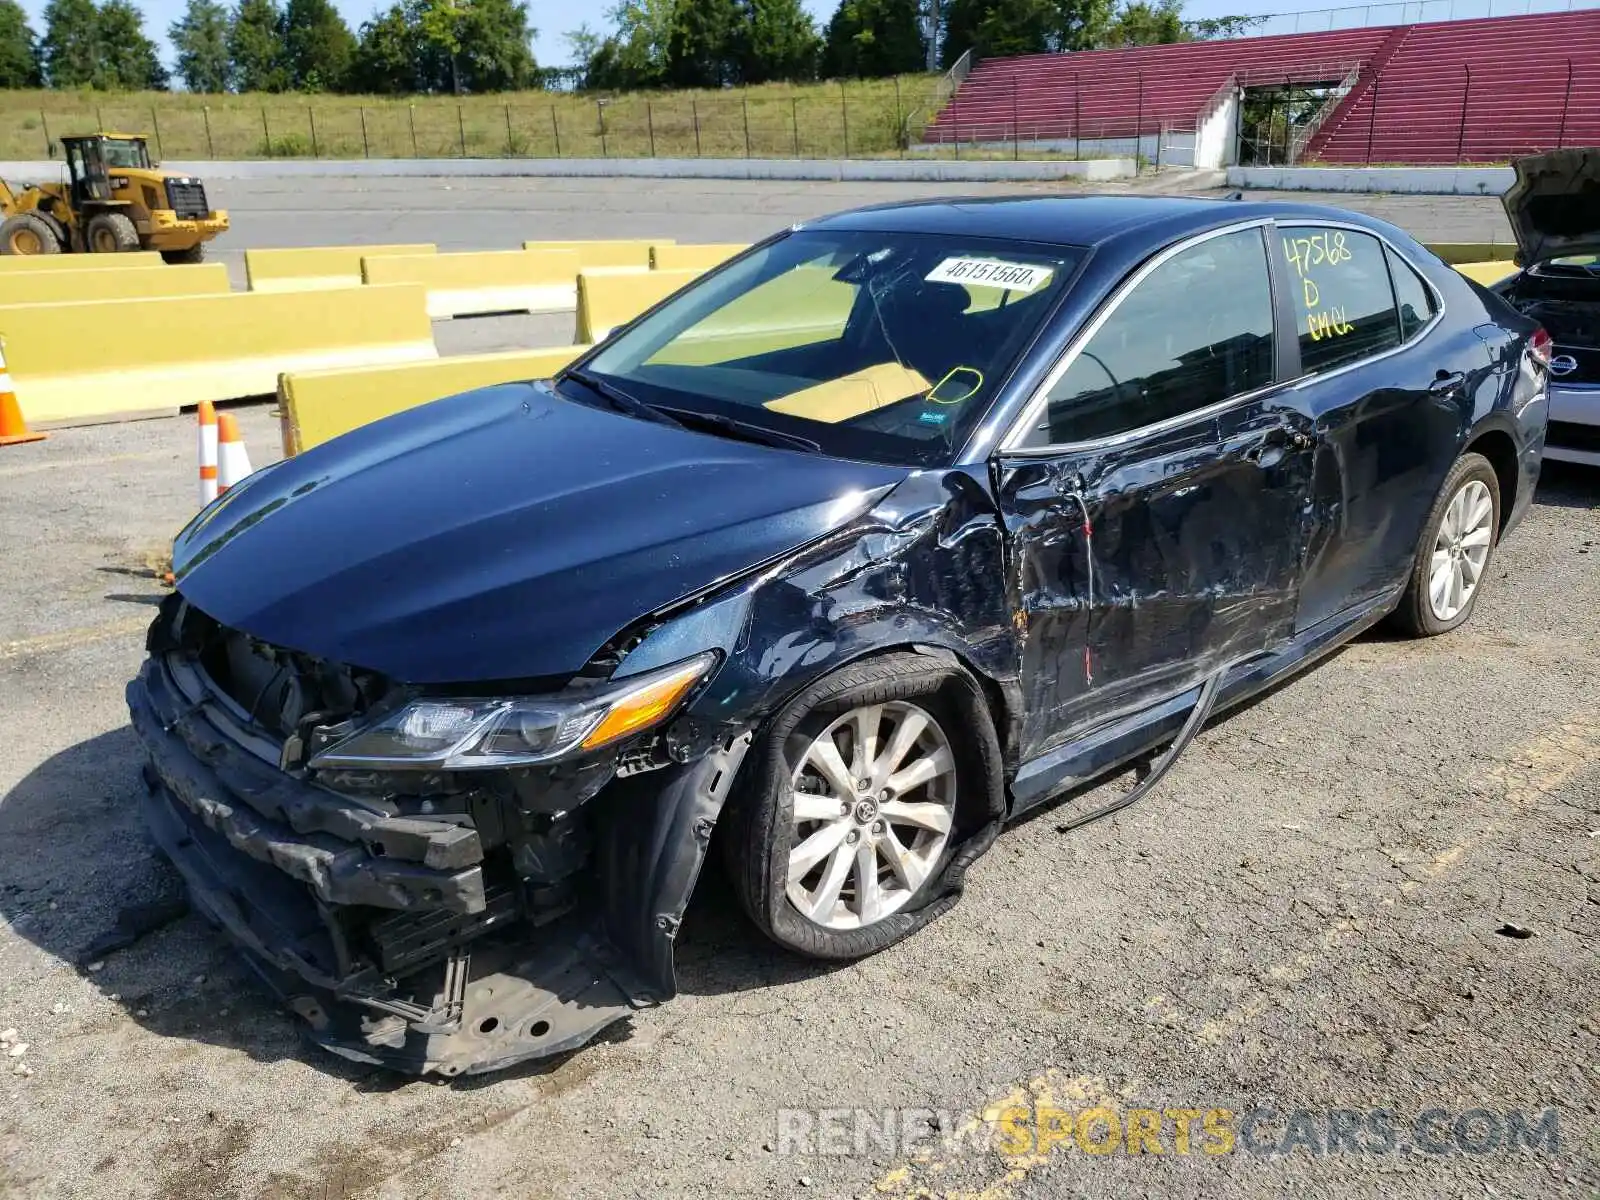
x=233, y=464
x=208, y=452
x=13, y=427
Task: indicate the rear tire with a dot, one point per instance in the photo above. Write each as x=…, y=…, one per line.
x=28, y=233
x=111, y=233
x=195, y=253
x=1454, y=553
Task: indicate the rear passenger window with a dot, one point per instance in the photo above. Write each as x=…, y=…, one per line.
x=1412, y=295
x=1339, y=289
x=1195, y=331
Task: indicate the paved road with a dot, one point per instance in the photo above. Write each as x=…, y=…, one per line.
x=499, y=214
x=1305, y=915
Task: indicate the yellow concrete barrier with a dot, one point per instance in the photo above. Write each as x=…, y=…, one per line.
x=115, y=359
x=615, y=252
x=79, y=262
x=1488, y=273
x=316, y=406
x=609, y=298
x=485, y=281
x=798, y=308
x=307, y=268
x=667, y=256
x=1456, y=253
x=55, y=287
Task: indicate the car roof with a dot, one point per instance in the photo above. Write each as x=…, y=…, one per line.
x=1076, y=220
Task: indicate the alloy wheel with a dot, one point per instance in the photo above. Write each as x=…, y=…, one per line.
x=874, y=802
x=1460, y=550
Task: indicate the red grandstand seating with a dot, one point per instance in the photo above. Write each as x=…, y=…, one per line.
x=1118, y=92
x=1519, y=100
x=1416, y=75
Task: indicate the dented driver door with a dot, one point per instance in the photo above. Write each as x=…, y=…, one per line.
x=1156, y=504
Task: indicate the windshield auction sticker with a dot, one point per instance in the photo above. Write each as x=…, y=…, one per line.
x=991, y=272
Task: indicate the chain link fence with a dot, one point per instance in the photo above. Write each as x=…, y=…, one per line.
x=874, y=118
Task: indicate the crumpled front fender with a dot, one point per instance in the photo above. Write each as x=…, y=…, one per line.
x=651, y=843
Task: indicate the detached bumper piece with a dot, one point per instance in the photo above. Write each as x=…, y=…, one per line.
x=385, y=934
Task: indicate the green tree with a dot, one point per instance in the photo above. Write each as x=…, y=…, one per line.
x=779, y=42
x=1141, y=23
x=868, y=38
x=255, y=47
x=128, y=60
x=384, y=60
x=437, y=46
x=703, y=47
x=69, y=52
x=1207, y=29
x=317, y=46
x=19, y=59
x=495, y=53
x=200, y=37
x=635, y=56
x=995, y=28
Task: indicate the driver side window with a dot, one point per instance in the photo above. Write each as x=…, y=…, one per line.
x=1195, y=331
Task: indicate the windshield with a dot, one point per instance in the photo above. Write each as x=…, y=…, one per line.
x=122, y=152
x=886, y=347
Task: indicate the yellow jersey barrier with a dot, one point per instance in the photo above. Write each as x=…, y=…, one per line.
x=613, y=252
x=1488, y=273
x=608, y=298
x=79, y=262
x=486, y=281
x=309, y=268
x=316, y=406
x=56, y=287
x=1456, y=253
x=669, y=256
x=78, y=363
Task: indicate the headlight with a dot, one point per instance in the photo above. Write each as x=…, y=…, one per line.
x=464, y=735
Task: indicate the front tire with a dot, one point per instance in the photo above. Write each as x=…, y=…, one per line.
x=111, y=233
x=28, y=233
x=195, y=253
x=833, y=869
x=1453, y=555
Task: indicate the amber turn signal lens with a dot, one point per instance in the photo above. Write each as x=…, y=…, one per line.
x=643, y=708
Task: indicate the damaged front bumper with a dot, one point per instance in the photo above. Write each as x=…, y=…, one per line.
x=402, y=941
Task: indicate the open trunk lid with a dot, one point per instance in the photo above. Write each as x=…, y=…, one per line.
x=1554, y=205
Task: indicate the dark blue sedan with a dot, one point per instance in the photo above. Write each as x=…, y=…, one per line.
x=899, y=524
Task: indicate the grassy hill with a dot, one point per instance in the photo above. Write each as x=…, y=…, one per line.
x=824, y=120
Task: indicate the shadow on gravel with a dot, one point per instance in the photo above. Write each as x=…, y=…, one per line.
x=74, y=858
x=1568, y=485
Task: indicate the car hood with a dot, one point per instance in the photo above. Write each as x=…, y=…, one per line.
x=502, y=534
x=1554, y=205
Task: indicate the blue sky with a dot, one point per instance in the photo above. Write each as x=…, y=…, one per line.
x=552, y=18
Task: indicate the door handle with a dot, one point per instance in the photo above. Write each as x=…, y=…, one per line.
x=1444, y=384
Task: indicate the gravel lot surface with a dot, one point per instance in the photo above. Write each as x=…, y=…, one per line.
x=1315, y=911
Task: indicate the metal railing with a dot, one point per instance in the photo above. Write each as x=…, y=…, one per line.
x=1405, y=12
x=950, y=82
x=1301, y=138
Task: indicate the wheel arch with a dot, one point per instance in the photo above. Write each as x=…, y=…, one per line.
x=1500, y=448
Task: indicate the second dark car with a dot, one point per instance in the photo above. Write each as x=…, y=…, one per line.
x=898, y=525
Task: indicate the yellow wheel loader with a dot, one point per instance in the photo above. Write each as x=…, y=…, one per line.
x=114, y=198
